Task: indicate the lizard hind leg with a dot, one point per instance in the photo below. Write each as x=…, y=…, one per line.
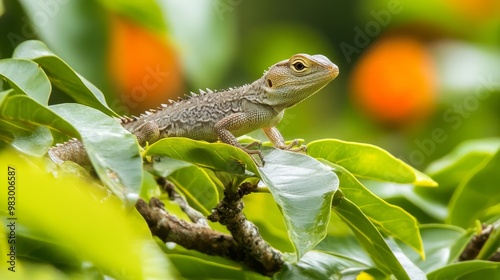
x=228, y=138
x=234, y=122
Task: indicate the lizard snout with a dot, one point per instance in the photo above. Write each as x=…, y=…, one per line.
x=334, y=70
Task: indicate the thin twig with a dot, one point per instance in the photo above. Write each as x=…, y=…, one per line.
x=193, y=214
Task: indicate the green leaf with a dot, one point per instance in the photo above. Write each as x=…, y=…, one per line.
x=370, y=238
x=63, y=76
x=26, y=77
x=411, y=269
x=149, y=186
x=113, y=151
x=443, y=244
x=21, y=118
x=368, y=161
x=217, y=156
x=164, y=166
x=197, y=187
x=33, y=246
x=82, y=220
x=392, y=219
x=467, y=270
x=324, y=265
x=451, y=169
x=303, y=188
x=200, y=192
x=475, y=195
x=409, y=197
x=36, y=143
x=344, y=244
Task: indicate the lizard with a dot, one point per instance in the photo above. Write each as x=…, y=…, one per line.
x=224, y=115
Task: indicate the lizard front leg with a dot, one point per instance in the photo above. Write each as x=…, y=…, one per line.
x=235, y=122
x=279, y=142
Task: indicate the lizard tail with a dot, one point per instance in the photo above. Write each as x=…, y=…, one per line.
x=72, y=150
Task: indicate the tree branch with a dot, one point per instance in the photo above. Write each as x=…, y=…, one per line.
x=192, y=213
x=198, y=237
x=229, y=212
x=476, y=244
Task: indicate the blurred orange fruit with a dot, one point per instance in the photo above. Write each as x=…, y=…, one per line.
x=144, y=66
x=395, y=81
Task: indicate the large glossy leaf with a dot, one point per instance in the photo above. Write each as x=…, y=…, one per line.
x=82, y=220
x=370, y=238
x=113, y=151
x=76, y=30
x=346, y=245
x=476, y=194
x=411, y=269
x=392, y=219
x=26, y=77
x=410, y=198
x=63, y=76
x=303, y=188
x=469, y=270
x=368, y=161
x=33, y=246
x=217, y=156
x=451, y=169
x=324, y=265
x=442, y=243
x=22, y=120
x=193, y=182
x=35, y=143
x=165, y=166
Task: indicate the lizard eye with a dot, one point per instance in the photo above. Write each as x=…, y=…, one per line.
x=299, y=66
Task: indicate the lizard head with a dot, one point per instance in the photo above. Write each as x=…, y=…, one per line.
x=290, y=81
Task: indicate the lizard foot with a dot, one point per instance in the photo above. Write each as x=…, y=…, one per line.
x=253, y=145
x=294, y=147
x=251, y=152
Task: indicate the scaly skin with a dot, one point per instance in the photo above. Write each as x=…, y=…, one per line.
x=225, y=115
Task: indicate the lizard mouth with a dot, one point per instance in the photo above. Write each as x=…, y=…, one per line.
x=333, y=73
